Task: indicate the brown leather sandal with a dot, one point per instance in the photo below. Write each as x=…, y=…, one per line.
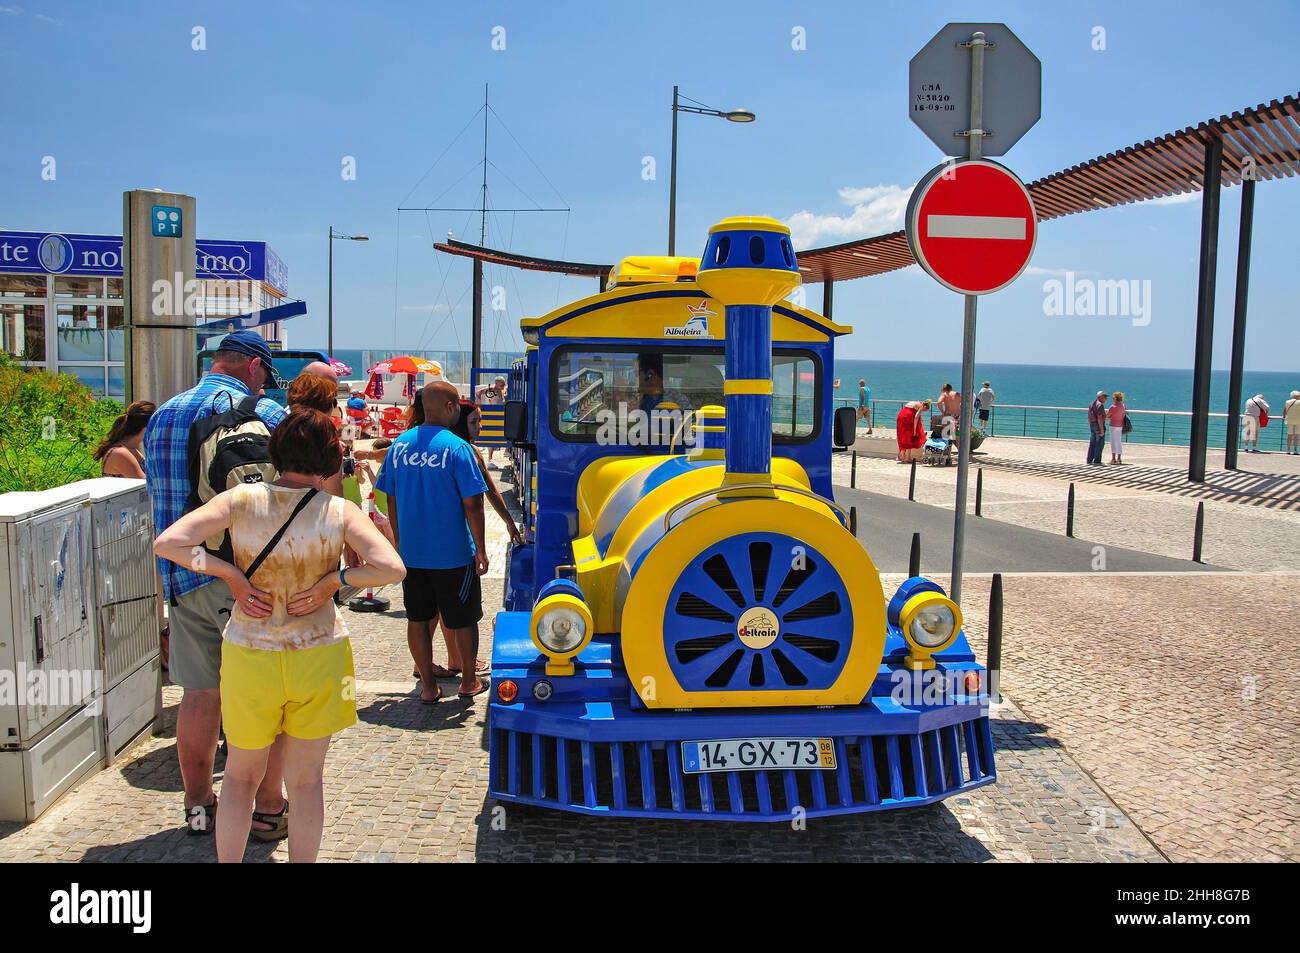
x=201, y=819
x=279, y=822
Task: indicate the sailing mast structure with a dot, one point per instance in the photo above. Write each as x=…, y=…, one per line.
x=483, y=208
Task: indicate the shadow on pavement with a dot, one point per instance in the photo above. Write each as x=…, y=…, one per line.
x=1013, y=734
x=177, y=846
x=408, y=713
x=1274, y=491
x=517, y=833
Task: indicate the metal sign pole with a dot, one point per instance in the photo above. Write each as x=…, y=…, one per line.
x=975, y=137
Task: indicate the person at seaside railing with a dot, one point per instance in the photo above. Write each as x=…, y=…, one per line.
x=949, y=410
x=1256, y=413
x=119, y=453
x=1291, y=419
x=909, y=428
x=984, y=402
x=1096, y=428
x=286, y=661
x=1118, y=419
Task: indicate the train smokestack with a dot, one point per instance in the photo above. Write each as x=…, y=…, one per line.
x=748, y=265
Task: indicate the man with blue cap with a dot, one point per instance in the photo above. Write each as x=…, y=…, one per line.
x=200, y=604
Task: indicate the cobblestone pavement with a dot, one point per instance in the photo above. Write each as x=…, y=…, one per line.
x=1132, y=737
x=409, y=783
x=1178, y=694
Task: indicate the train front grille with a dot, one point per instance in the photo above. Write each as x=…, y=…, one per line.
x=645, y=778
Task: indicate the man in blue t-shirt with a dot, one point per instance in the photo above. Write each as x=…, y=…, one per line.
x=435, y=502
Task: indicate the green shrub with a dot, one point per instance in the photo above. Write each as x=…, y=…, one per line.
x=50, y=425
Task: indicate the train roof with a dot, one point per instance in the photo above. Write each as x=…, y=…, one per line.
x=676, y=311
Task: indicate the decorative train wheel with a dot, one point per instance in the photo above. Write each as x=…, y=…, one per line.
x=759, y=611
x=788, y=611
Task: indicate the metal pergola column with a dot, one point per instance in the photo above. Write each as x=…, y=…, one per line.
x=828, y=297
x=1239, y=322
x=476, y=347
x=1211, y=189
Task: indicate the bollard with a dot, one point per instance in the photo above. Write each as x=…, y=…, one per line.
x=369, y=602
x=853, y=521
x=1069, y=513
x=1199, y=531
x=914, y=558
x=979, y=492
x=911, y=483
x=994, y=662
x=853, y=470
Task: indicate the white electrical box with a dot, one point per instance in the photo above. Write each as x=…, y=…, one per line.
x=126, y=608
x=51, y=725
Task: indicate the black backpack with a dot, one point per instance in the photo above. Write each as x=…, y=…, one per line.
x=227, y=448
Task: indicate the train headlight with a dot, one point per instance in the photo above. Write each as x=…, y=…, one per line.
x=933, y=625
x=930, y=622
x=560, y=629
x=561, y=625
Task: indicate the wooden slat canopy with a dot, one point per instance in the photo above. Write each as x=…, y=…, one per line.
x=1263, y=142
x=493, y=256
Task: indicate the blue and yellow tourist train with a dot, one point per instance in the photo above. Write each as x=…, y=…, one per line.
x=691, y=630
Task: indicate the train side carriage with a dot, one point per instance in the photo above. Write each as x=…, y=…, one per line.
x=691, y=630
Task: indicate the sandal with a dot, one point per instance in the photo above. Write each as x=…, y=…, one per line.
x=439, y=672
x=197, y=823
x=279, y=822
x=483, y=685
x=435, y=699
x=480, y=668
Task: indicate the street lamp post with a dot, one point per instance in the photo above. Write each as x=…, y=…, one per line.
x=351, y=238
x=699, y=109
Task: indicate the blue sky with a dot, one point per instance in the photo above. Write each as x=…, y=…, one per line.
x=257, y=126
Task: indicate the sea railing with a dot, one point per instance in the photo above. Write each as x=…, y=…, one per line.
x=1163, y=427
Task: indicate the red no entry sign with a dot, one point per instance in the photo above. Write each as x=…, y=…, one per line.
x=971, y=225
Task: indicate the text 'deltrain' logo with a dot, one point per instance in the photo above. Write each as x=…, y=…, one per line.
x=696, y=326
x=756, y=629
x=55, y=254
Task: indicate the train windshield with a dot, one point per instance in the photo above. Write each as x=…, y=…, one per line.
x=597, y=394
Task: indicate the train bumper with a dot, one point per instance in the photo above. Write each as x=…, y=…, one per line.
x=590, y=750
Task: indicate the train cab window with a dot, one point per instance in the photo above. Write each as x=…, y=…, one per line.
x=611, y=396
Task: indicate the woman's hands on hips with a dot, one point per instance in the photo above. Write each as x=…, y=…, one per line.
x=309, y=600
x=251, y=600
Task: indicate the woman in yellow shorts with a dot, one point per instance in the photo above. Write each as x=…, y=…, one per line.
x=286, y=662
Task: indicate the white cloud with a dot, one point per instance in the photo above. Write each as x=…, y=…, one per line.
x=875, y=209
x=11, y=11
x=1058, y=272
x=1182, y=198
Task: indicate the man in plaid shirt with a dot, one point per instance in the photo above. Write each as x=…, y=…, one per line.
x=200, y=604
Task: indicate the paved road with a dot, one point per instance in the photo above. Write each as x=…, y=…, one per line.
x=886, y=525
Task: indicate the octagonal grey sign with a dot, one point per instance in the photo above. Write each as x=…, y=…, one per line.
x=938, y=88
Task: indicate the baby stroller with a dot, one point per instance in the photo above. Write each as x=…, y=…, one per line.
x=937, y=449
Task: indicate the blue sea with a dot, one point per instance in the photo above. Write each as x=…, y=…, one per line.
x=1041, y=385
x=1045, y=385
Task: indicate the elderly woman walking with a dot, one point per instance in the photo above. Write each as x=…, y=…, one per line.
x=286, y=661
x=1117, y=416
